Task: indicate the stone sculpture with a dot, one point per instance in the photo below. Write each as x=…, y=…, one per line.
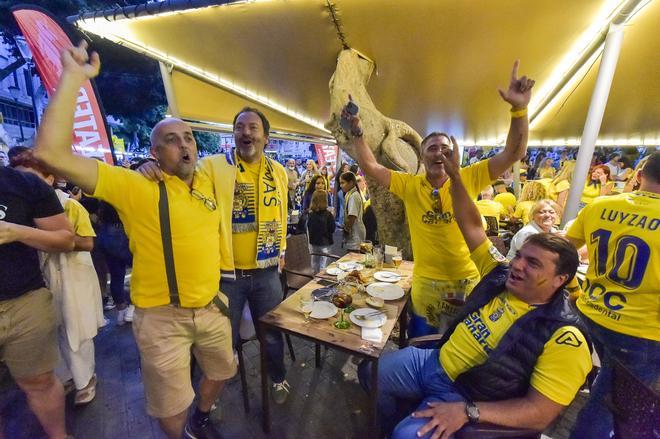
x=394, y=143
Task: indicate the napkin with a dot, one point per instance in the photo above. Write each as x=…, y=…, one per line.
x=372, y=334
x=390, y=251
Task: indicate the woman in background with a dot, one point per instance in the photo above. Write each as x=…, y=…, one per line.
x=354, y=230
x=597, y=185
x=532, y=192
x=544, y=215
x=339, y=202
x=320, y=228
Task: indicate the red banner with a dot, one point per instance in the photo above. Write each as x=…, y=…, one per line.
x=326, y=155
x=46, y=40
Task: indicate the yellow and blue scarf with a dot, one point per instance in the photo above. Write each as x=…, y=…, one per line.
x=259, y=209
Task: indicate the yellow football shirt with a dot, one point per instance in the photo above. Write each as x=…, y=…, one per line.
x=554, y=189
x=79, y=218
x=195, y=236
x=490, y=208
x=438, y=247
x=244, y=244
x=560, y=370
x=621, y=292
x=506, y=199
x=523, y=209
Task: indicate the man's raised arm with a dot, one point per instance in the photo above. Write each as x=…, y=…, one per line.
x=465, y=211
x=365, y=157
x=53, y=142
x=518, y=95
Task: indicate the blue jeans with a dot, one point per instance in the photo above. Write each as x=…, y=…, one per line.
x=640, y=356
x=263, y=292
x=410, y=375
x=339, y=211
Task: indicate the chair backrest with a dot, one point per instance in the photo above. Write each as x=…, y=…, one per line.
x=493, y=224
x=297, y=256
x=636, y=405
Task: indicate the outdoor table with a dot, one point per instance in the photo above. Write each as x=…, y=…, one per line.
x=287, y=317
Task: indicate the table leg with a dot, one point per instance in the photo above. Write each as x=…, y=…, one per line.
x=375, y=425
x=403, y=326
x=265, y=401
x=317, y=352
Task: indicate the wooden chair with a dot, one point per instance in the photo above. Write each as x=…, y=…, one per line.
x=635, y=406
x=479, y=431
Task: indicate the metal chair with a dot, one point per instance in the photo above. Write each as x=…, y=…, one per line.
x=634, y=405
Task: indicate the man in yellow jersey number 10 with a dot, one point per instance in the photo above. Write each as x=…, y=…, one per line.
x=620, y=301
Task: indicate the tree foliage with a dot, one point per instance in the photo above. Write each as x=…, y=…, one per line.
x=130, y=84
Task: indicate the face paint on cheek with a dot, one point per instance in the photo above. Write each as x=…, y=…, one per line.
x=542, y=282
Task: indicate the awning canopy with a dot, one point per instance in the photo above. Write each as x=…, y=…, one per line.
x=438, y=62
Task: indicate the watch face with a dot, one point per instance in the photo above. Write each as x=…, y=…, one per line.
x=472, y=412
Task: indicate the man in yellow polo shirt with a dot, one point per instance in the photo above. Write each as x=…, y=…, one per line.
x=178, y=305
x=621, y=299
x=517, y=354
x=443, y=273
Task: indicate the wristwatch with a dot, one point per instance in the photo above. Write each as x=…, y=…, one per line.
x=472, y=412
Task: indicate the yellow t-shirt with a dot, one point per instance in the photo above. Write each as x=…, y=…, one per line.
x=438, y=247
x=592, y=191
x=554, y=189
x=244, y=244
x=195, y=238
x=621, y=292
x=523, y=209
x=491, y=208
x=547, y=172
x=506, y=199
x=79, y=218
x=560, y=370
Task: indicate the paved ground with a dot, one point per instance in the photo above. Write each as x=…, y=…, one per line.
x=325, y=403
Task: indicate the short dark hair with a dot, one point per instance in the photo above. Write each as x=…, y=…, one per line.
x=651, y=169
x=434, y=134
x=24, y=156
x=349, y=177
x=567, y=256
x=264, y=119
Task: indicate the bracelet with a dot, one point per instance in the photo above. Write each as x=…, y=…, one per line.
x=518, y=113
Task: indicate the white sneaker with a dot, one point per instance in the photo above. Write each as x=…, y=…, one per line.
x=129, y=313
x=121, y=316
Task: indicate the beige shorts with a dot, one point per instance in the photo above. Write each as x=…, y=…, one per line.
x=28, y=343
x=165, y=336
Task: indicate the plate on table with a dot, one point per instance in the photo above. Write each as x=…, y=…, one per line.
x=324, y=293
x=323, y=310
x=387, y=276
x=376, y=319
x=350, y=266
x=333, y=271
x=385, y=290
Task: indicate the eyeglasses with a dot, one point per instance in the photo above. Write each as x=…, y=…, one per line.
x=208, y=203
x=437, y=203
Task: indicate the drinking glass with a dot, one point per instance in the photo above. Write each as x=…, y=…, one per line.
x=306, y=306
x=341, y=301
x=397, y=258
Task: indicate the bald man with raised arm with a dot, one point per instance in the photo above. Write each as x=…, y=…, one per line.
x=178, y=306
x=443, y=273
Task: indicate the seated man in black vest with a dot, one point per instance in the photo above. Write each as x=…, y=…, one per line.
x=515, y=356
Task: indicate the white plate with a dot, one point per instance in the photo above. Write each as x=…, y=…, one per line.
x=323, y=310
x=333, y=271
x=376, y=321
x=387, y=276
x=385, y=291
x=350, y=266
